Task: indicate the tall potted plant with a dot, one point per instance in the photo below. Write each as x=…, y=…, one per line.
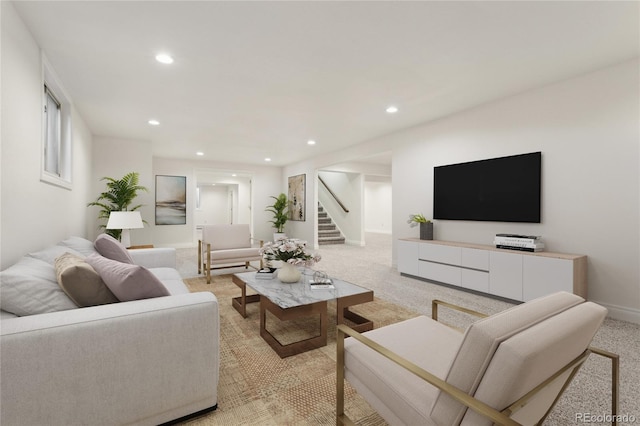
x=279, y=210
x=119, y=195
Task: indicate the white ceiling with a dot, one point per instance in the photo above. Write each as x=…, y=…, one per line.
x=258, y=79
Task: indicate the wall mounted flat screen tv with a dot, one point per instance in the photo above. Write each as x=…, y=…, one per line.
x=505, y=189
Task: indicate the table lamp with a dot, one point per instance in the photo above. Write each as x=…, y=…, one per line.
x=125, y=221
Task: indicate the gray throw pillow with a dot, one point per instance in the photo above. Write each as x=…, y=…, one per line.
x=112, y=249
x=81, y=282
x=126, y=281
x=29, y=287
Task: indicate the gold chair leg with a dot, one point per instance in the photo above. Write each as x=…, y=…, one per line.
x=615, y=380
x=261, y=245
x=199, y=257
x=340, y=378
x=208, y=264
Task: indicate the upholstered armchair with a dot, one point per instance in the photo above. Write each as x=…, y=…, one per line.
x=506, y=369
x=224, y=246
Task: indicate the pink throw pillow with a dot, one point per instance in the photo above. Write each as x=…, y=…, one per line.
x=112, y=249
x=127, y=281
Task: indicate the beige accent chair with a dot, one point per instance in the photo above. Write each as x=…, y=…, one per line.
x=224, y=246
x=507, y=369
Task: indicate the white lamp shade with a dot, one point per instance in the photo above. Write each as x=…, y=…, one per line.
x=125, y=220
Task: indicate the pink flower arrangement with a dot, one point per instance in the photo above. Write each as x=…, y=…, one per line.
x=289, y=250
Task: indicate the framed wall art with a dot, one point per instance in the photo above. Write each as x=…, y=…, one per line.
x=297, y=207
x=171, y=200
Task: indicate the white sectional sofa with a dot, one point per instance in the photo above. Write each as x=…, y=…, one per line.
x=143, y=362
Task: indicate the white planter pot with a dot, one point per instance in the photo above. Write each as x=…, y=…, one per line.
x=289, y=273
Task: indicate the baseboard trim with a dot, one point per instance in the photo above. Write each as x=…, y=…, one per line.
x=621, y=312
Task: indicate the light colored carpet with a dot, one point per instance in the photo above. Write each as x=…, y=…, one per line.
x=370, y=267
x=257, y=387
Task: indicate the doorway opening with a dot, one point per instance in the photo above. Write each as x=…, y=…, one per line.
x=222, y=197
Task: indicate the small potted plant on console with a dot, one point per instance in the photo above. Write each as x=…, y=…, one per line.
x=426, y=226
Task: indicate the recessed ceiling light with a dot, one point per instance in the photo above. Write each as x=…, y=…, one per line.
x=199, y=153
x=154, y=122
x=163, y=58
x=234, y=175
x=310, y=142
x=267, y=159
x=392, y=109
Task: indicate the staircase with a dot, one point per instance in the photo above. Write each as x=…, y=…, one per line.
x=327, y=231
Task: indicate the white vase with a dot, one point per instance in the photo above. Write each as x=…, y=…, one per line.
x=288, y=273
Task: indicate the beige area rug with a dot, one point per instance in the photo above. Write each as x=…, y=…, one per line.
x=257, y=387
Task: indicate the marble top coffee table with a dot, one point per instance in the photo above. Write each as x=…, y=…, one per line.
x=299, y=300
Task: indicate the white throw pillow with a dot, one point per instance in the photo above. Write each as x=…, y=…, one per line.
x=50, y=254
x=79, y=244
x=30, y=287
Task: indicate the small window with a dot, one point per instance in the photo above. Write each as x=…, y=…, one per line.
x=52, y=133
x=56, y=130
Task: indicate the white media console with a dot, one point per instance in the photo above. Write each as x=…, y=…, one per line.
x=516, y=275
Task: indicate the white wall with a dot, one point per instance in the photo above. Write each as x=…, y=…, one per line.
x=241, y=185
x=114, y=158
x=214, y=205
x=34, y=214
x=587, y=130
x=377, y=205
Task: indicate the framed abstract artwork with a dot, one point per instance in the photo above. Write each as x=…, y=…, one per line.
x=297, y=207
x=171, y=200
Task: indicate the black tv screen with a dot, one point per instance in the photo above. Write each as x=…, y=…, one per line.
x=505, y=189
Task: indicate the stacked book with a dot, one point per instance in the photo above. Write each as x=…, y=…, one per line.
x=266, y=274
x=321, y=284
x=519, y=242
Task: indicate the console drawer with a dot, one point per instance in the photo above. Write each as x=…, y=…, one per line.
x=440, y=253
x=441, y=273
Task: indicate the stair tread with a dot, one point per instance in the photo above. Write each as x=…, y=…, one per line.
x=327, y=230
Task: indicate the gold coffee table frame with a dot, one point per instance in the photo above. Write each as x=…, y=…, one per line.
x=310, y=309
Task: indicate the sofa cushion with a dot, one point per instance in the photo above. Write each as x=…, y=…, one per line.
x=81, y=245
x=81, y=282
x=112, y=249
x=127, y=281
x=171, y=279
x=400, y=396
x=30, y=287
x=482, y=339
x=236, y=255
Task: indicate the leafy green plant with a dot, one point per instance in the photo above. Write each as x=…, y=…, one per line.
x=279, y=210
x=415, y=219
x=119, y=195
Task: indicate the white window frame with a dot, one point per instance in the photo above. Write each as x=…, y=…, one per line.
x=51, y=83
